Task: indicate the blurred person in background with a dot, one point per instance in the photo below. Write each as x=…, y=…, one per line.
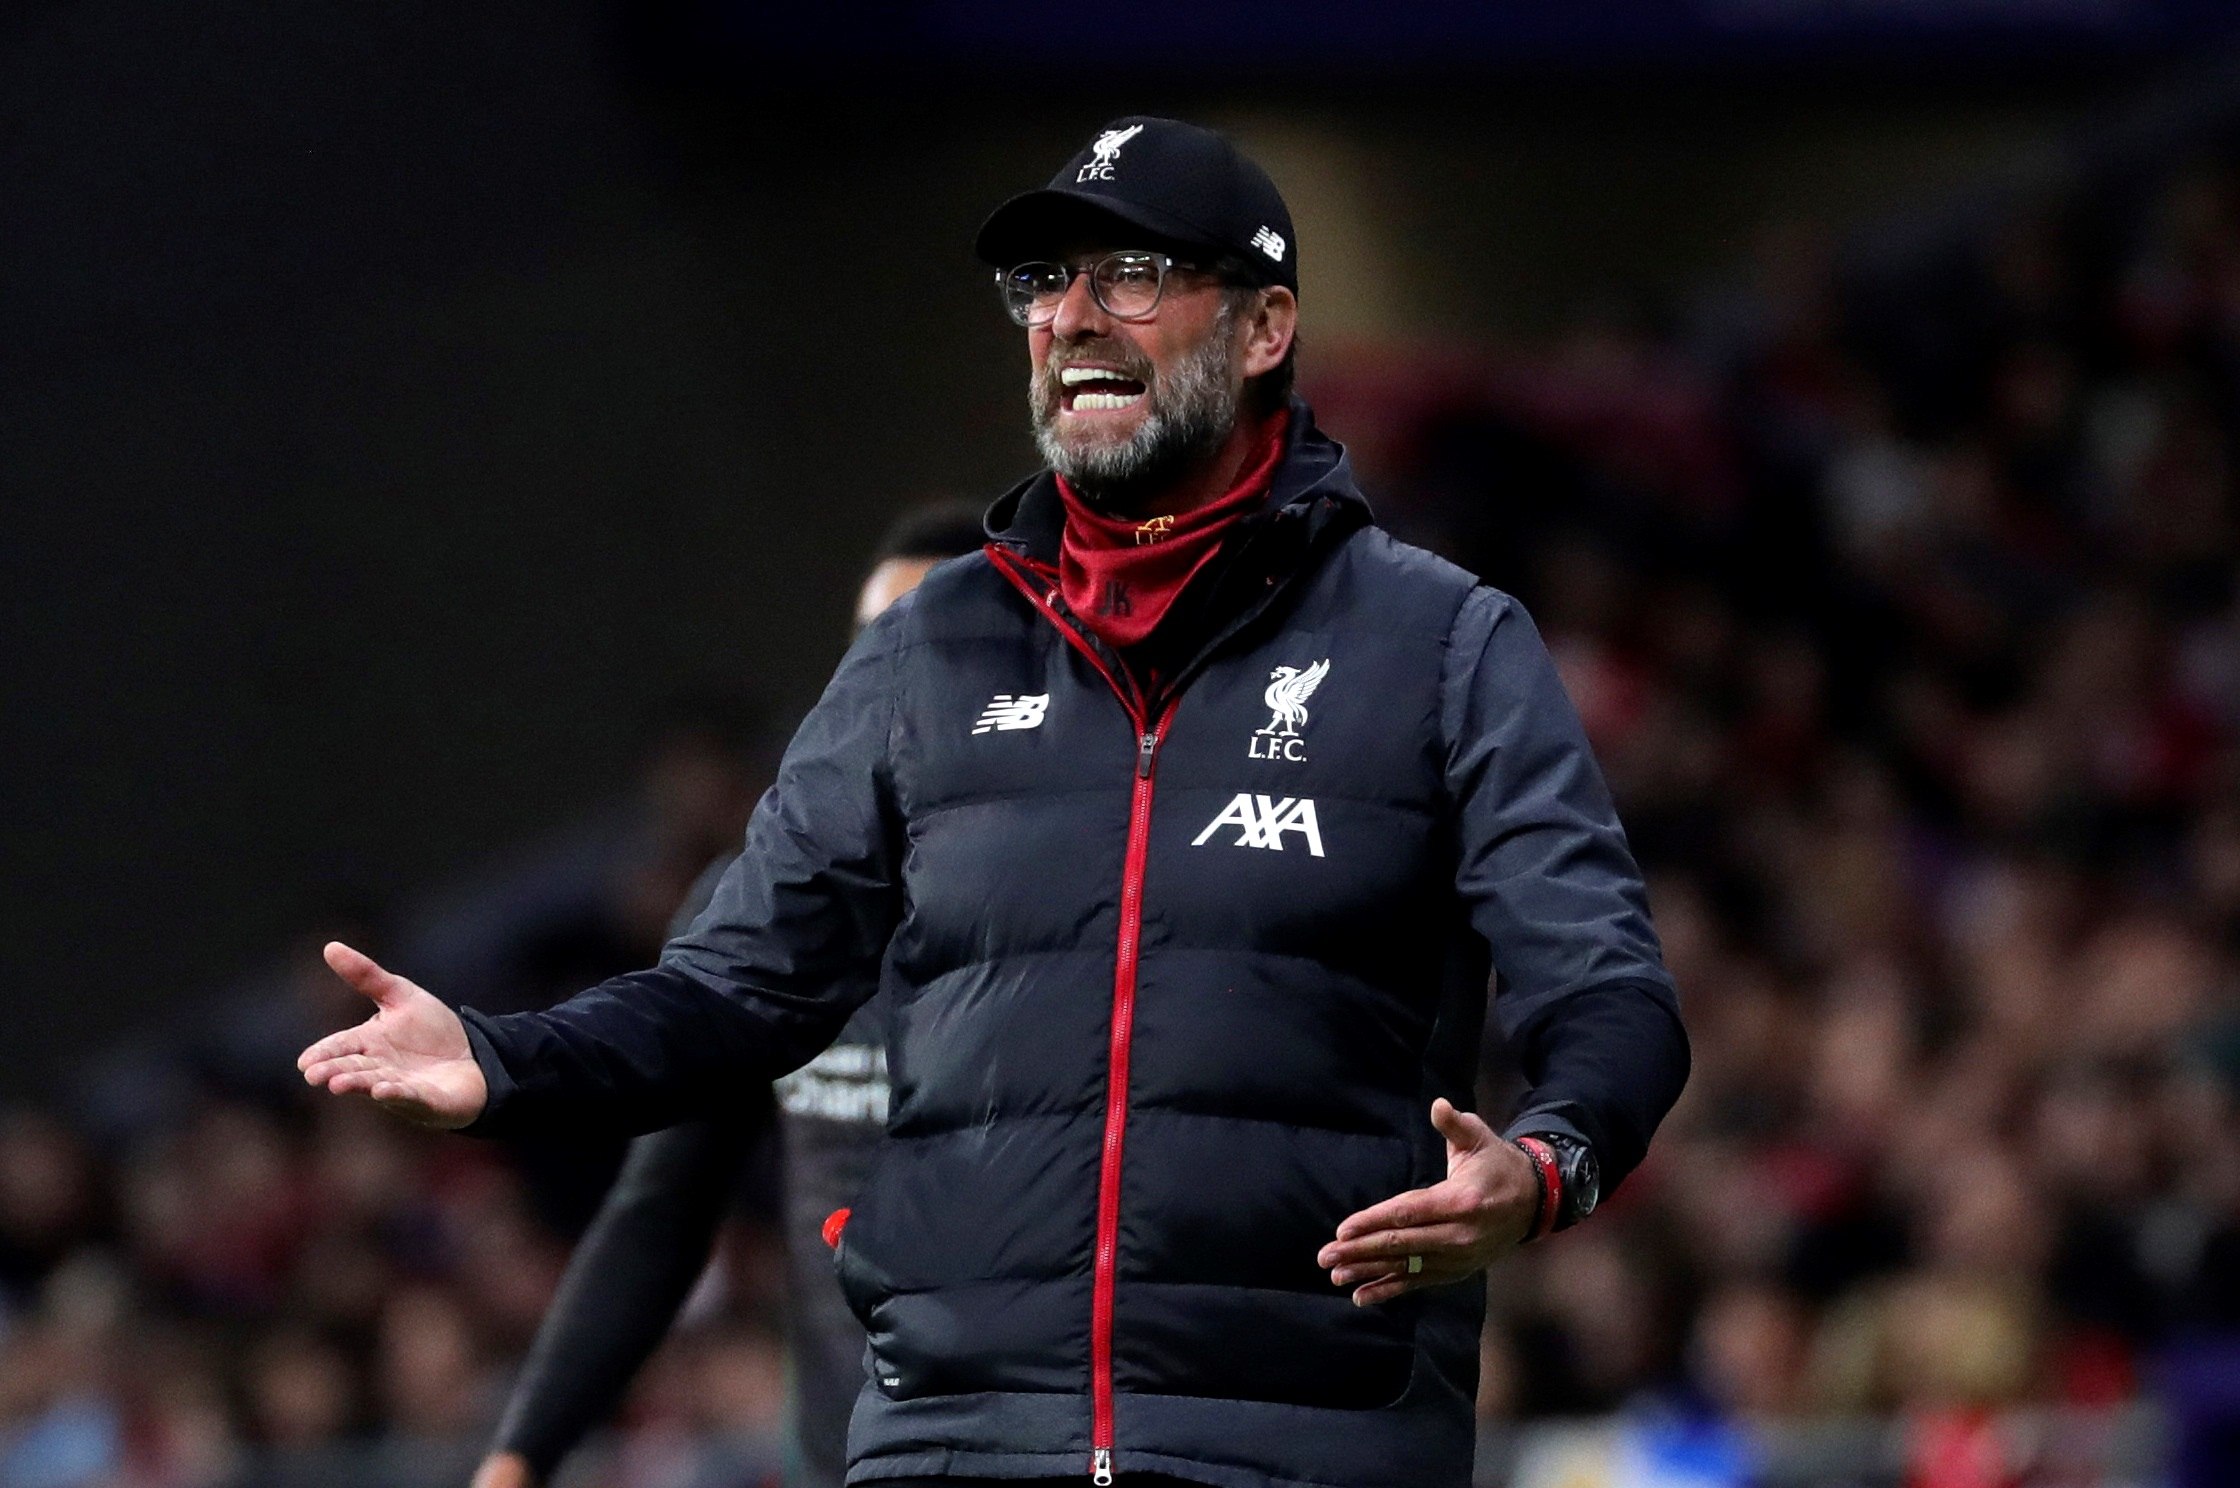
x=651, y=1239
x=598, y=895
x=53, y=1202
x=592, y=900
x=1313, y=963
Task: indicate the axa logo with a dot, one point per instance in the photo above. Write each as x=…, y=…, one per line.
x=1286, y=697
x=1270, y=242
x=1007, y=711
x=1105, y=151
x=1261, y=821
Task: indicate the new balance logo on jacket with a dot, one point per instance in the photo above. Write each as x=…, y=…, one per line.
x=1006, y=711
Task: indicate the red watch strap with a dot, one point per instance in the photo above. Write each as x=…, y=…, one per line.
x=1551, y=1185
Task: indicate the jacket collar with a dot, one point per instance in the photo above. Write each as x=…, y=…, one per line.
x=1314, y=486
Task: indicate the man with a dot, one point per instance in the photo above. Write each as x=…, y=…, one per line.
x=1182, y=830
x=650, y=1241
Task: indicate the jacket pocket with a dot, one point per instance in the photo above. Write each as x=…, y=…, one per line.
x=1277, y=1346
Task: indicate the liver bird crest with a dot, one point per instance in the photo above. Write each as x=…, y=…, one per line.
x=1287, y=695
x=1107, y=147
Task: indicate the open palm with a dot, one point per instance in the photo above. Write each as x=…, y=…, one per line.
x=1450, y=1230
x=410, y=1058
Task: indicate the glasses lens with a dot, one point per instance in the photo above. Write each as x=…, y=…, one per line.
x=1127, y=284
x=1032, y=291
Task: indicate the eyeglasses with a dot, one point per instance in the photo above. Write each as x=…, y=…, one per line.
x=1125, y=285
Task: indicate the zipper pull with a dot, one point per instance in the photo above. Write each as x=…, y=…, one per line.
x=1100, y=1462
x=1146, y=747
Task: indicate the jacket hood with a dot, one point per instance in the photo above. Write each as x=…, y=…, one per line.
x=1314, y=483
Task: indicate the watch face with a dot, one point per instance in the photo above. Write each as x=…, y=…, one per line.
x=1585, y=1184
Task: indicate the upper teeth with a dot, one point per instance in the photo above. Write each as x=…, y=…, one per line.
x=1073, y=376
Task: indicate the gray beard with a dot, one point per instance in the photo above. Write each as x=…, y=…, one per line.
x=1193, y=408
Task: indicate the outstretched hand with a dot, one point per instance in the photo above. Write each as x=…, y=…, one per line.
x=1459, y=1226
x=410, y=1058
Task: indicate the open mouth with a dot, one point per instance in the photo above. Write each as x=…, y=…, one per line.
x=1097, y=390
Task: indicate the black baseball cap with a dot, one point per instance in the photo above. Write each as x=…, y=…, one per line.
x=1183, y=186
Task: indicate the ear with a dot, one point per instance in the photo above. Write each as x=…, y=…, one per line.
x=1269, y=329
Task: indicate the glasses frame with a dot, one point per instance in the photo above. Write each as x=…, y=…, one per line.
x=1024, y=315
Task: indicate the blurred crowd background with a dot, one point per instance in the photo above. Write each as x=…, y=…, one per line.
x=1891, y=556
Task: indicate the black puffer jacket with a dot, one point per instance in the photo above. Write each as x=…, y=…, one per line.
x=1173, y=982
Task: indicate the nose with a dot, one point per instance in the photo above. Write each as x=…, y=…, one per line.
x=1079, y=314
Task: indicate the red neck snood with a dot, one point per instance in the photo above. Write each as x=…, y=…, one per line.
x=1120, y=576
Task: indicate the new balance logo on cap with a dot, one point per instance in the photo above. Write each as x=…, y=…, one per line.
x=1261, y=822
x=1270, y=242
x=1007, y=712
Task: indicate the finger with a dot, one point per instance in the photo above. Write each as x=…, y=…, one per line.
x=365, y=974
x=390, y=1091
x=1441, y=1201
x=334, y=1046
x=1411, y=1208
x=1463, y=1131
x=323, y=1070
x=356, y=1082
x=1434, y=1268
x=1398, y=1286
x=1437, y=1271
x=1382, y=1245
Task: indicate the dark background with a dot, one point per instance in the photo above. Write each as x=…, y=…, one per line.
x=402, y=401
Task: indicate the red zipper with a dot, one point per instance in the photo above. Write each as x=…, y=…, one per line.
x=1148, y=736
x=1116, y=1099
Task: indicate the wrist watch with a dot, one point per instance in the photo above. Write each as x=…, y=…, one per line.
x=1570, y=1176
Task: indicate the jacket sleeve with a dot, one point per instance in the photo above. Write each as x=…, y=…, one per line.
x=1582, y=994
x=789, y=945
